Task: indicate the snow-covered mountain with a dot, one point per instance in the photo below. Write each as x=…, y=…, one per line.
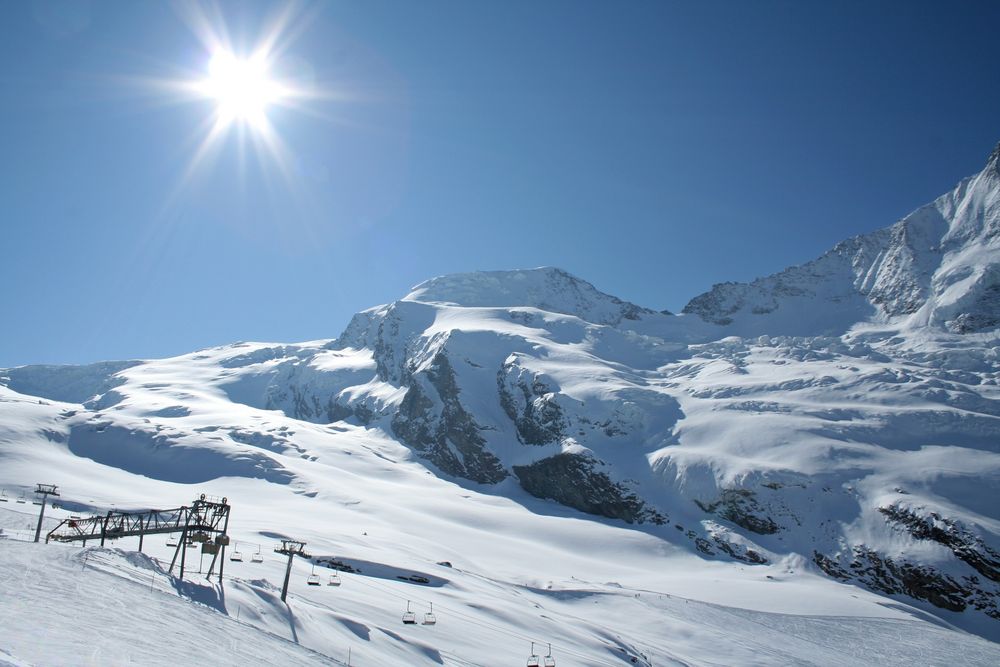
x=938, y=266
x=838, y=422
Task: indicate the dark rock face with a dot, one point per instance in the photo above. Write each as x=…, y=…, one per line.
x=741, y=507
x=531, y=405
x=718, y=304
x=571, y=479
x=966, y=546
x=984, y=312
x=900, y=577
x=442, y=430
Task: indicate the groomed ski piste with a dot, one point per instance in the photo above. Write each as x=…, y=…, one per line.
x=521, y=571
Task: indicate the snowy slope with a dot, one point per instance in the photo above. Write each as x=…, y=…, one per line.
x=124, y=608
x=815, y=454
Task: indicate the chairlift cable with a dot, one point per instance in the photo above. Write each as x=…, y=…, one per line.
x=489, y=626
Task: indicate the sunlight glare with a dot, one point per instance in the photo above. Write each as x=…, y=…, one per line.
x=242, y=88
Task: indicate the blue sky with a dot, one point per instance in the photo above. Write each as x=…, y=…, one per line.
x=652, y=148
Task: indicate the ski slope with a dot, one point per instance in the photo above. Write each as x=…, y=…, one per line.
x=66, y=605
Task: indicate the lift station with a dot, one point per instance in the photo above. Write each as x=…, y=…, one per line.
x=205, y=521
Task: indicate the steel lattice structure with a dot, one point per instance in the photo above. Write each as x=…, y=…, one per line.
x=204, y=518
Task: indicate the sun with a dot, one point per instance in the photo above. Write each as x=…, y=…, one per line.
x=243, y=83
x=242, y=89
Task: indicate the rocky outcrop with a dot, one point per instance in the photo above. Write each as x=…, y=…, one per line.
x=962, y=542
x=531, y=405
x=574, y=480
x=896, y=576
x=742, y=508
x=432, y=420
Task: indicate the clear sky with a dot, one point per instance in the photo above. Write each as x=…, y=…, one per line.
x=652, y=148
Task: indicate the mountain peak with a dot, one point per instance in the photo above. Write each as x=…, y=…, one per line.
x=546, y=288
x=939, y=265
x=993, y=163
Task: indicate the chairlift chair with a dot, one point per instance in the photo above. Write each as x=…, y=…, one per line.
x=171, y=541
x=429, y=617
x=257, y=557
x=3, y=496
x=533, y=659
x=409, y=618
x=21, y=500
x=236, y=556
x=549, y=660
x=313, y=579
x=334, y=580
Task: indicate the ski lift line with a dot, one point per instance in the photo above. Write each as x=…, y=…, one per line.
x=99, y=557
x=489, y=626
x=483, y=624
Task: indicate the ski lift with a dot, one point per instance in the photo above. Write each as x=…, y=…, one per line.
x=171, y=541
x=429, y=617
x=549, y=660
x=409, y=618
x=21, y=500
x=534, y=659
x=313, y=579
x=3, y=495
x=334, y=580
x=257, y=557
x=236, y=556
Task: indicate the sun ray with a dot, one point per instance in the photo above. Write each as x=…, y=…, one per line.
x=242, y=85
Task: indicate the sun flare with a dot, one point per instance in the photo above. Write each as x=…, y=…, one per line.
x=243, y=83
x=243, y=89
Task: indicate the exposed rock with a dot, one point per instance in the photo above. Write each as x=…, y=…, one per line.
x=531, y=405
x=741, y=507
x=442, y=430
x=571, y=479
x=901, y=577
x=963, y=543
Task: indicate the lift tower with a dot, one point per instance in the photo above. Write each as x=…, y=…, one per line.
x=45, y=490
x=291, y=549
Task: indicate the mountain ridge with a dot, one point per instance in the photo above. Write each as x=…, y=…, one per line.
x=922, y=269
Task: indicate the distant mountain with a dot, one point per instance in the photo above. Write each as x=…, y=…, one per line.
x=845, y=412
x=938, y=266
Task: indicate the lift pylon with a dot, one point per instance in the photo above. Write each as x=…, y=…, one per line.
x=290, y=548
x=44, y=490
